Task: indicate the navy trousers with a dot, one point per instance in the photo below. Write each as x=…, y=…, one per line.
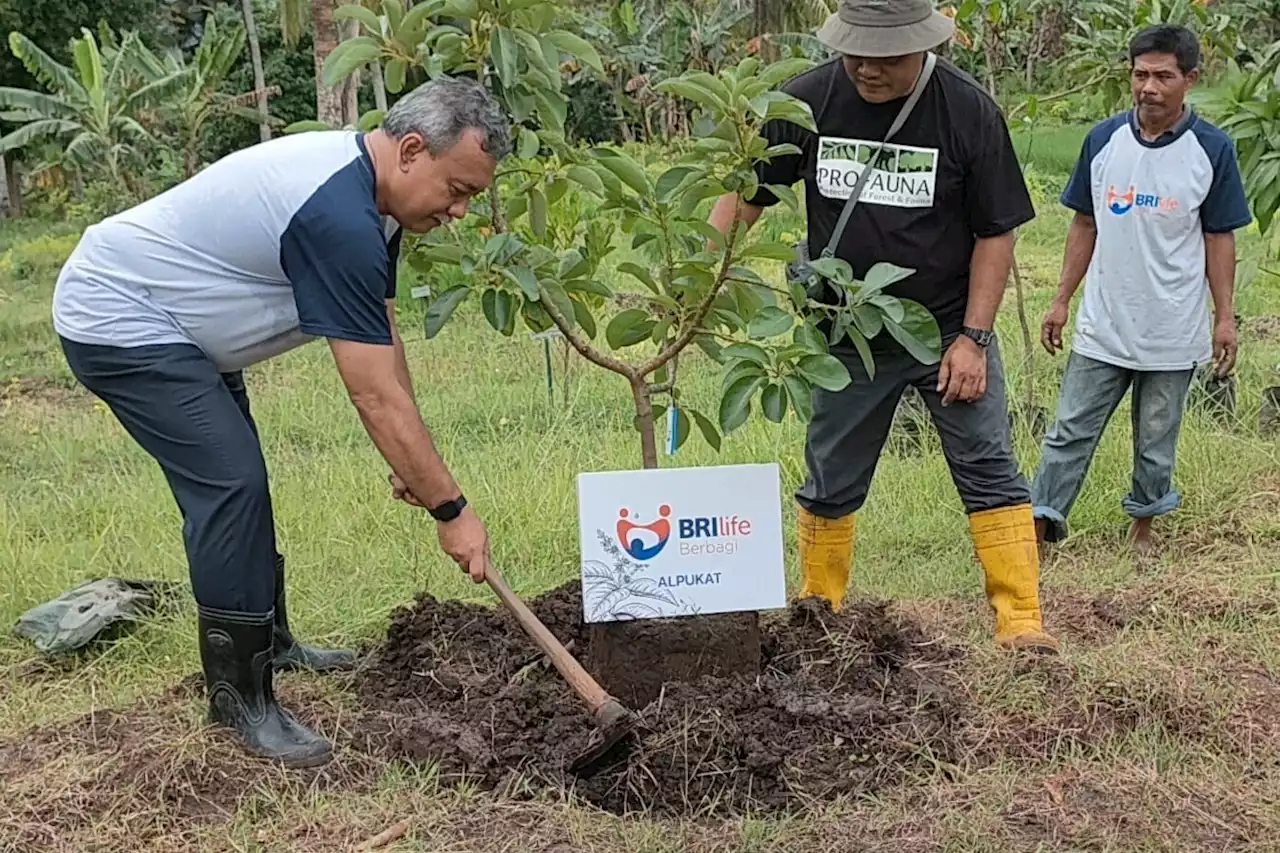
x=195, y=422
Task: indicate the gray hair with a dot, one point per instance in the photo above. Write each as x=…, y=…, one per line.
x=443, y=109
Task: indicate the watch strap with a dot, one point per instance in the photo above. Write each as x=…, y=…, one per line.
x=449, y=510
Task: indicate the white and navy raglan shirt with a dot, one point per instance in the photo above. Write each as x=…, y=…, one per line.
x=1146, y=302
x=266, y=249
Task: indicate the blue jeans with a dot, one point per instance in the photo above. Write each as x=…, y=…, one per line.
x=1091, y=391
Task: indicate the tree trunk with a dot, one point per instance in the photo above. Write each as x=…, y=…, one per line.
x=259, y=76
x=324, y=33
x=351, y=86
x=634, y=659
x=12, y=184
x=379, y=87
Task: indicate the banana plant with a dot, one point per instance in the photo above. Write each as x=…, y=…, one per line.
x=93, y=106
x=1247, y=107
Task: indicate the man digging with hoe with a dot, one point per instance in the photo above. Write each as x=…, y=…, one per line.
x=161, y=307
x=954, y=223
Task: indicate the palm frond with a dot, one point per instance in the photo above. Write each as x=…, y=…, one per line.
x=45, y=106
x=20, y=116
x=89, y=66
x=41, y=66
x=294, y=16
x=160, y=91
x=126, y=127
x=85, y=148
x=43, y=129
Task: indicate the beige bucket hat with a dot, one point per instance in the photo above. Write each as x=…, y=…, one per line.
x=882, y=28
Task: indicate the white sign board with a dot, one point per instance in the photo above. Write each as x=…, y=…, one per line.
x=680, y=541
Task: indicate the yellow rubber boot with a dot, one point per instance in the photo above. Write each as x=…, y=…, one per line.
x=1005, y=539
x=826, y=555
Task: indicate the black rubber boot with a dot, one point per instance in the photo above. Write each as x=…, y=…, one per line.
x=235, y=649
x=292, y=655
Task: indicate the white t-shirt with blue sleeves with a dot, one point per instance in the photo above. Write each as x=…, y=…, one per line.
x=266, y=249
x=1146, y=300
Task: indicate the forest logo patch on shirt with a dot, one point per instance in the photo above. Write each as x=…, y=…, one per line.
x=904, y=175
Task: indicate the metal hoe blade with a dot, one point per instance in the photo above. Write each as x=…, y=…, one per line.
x=615, y=727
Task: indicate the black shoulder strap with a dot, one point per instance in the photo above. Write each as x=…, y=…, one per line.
x=923, y=80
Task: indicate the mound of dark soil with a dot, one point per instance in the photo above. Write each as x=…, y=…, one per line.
x=845, y=703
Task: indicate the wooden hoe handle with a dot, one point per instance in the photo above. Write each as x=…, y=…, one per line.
x=581, y=682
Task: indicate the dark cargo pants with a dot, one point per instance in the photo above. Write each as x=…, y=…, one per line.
x=849, y=428
x=195, y=422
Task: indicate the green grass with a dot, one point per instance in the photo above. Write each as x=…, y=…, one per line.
x=81, y=501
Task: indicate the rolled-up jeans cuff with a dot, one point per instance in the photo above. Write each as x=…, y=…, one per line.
x=1056, y=529
x=1165, y=505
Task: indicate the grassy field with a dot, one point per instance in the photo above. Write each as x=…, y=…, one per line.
x=1158, y=729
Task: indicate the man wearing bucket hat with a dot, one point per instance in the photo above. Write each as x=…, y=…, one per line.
x=943, y=197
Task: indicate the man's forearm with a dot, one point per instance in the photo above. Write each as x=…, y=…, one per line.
x=1081, y=238
x=722, y=218
x=988, y=275
x=393, y=422
x=1220, y=267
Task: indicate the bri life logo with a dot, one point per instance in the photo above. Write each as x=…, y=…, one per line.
x=1121, y=203
x=644, y=541
x=697, y=535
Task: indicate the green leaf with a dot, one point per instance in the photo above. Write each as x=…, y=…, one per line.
x=735, y=405
x=505, y=50
x=784, y=69
x=587, y=178
x=747, y=351
x=553, y=110
x=671, y=180
x=785, y=194
x=769, y=322
x=890, y=305
x=867, y=319
x=690, y=91
x=415, y=20
x=825, y=371
x=499, y=310
x=639, y=272
x=361, y=14
x=708, y=345
x=577, y=47
x=864, y=351
x=584, y=317
x=918, y=332
x=772, y=251
x=628, y=328
x=709, y=432
x=807, y=335
x=442, y=308
x=306, y=125
x=529, y=144
x=538, y=212
x=626, y=169
x=739, y=370
x=833, y=268
x=347, y=57
x=773, y=402
x=371, y=120
x=524, y=277
x=793, y=110
x=558, y=297
x=393, y=74
x=884, y=274
x=394, y=12
x=801, y=396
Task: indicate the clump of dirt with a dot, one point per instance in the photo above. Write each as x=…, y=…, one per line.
x=844, y=703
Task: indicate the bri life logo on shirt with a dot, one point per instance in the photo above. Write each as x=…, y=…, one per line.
x=1121, y=203
x=695, y=535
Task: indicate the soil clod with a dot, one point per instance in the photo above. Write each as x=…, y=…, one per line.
x=841, y=703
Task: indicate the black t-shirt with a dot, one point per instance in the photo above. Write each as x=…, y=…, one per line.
x=950, y=175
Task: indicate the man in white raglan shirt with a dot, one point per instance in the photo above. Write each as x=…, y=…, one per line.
x=1157, y=196
x=161, y=307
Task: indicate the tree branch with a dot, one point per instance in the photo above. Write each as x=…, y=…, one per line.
x=578, y=342
x=704, y=307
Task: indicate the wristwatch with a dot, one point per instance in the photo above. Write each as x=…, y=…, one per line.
x=449, y=510
x=982, y=337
